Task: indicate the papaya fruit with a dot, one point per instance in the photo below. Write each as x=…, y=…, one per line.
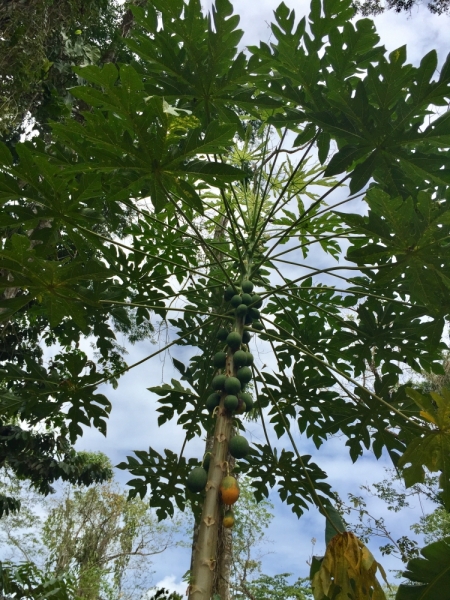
x=207, y=461
x=218, y=382
x=240, y=358
x=238, y=446
x=212, y=401
x=244, y=374
x=248, y=400
x=257, y=301
x=228, y=519
x=229, y=293
x=197, y=479
x=241, y=311
x=241, y=407
x=222, y=334
x=229, y=490
x=254, y=313
x=247, y=287
x=246, y=299
x=231, y=402
x=236, y=300
x=219, y=360
x=232, y=385
x=234, y=340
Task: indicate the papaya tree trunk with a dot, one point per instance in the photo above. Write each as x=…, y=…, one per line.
x=224, y=561
x=205, y=564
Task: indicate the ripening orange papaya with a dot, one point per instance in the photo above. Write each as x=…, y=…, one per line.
x=229, y=490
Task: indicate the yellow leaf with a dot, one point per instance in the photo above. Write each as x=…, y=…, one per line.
x=428, y=417
x=347, y=571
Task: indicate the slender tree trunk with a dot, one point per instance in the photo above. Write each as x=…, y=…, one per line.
x=224, y=557
x=205, y=550
x=221, y=565
x=109, y=56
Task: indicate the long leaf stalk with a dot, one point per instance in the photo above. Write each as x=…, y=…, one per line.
x=201, y=239
x=314, y=494
x=300, y=346
x=147, y=254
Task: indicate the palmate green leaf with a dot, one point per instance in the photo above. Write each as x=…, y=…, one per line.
x=6, y=158
x=174, y=400
x=149, y=150
x=336, y=520
x=429, y=576
x=264, y=469
x=408, y=237
x=369, y=117
x=194, y=61
x=44, y=391
x=432, y=449
x=64, y=288
x=165, y=474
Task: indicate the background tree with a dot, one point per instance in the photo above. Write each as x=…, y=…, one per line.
x=376, y=7
x=90, y=539
x=41, y=42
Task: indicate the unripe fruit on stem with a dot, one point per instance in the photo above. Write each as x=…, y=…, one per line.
x=246, y=299
x=229, y=490
x=207, y=461
x=219, y=360
x=212, y=401
x=244, y=375
x=231, y=402
x=258, y=326
x=234, y=340
x=240, y=358
x=254, y=313
x=247, y=398
x=228, y=519
x=257, y=301
x=250, y=359
x=232, y=385
x=222, y=334
x=235, y=301
x=229, y=293
x=241, y=311
x=218, y=382
x=246, y=337
x=197, y=479
x=247, y=287
x=238, y=446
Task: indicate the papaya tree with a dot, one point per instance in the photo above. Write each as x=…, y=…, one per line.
x=297, y=194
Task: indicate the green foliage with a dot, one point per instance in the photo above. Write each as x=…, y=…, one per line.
x=40, y=42
x=87, y=541
x=432, y=449
x=373, y=7
x=43, y=458
x=26, y=581
x=430, y=575
x=173, y=126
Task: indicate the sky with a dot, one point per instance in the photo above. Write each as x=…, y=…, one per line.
x=133, y=423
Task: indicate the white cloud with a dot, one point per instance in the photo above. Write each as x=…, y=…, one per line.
x=169, y=583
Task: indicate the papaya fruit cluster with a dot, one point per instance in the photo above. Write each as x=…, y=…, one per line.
x=230, y=389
